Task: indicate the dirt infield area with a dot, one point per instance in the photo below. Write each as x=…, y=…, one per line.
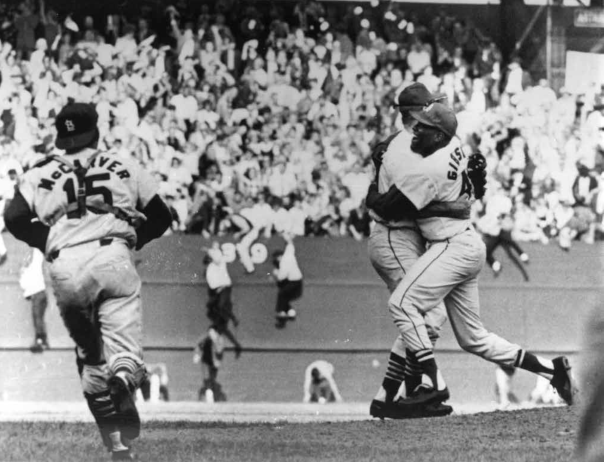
x=296, y=432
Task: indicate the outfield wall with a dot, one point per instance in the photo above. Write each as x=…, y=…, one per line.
x=342, y=318
x=344, y=303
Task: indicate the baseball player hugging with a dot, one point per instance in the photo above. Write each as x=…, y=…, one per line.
x=86, y=211
x=448, y=271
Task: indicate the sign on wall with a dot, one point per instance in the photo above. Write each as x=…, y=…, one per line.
x=588, y=17
x=583, y=71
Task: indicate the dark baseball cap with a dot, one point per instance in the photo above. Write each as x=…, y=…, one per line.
x=413, y=97
x=439, y=116
x=76, y=126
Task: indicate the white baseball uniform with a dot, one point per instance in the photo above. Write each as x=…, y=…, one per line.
x=448, y=270
x=95, y=282
x=394, y=247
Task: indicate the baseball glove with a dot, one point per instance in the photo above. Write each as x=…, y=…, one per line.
x=477, y=174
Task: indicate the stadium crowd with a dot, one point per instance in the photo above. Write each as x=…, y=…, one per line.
x=270, y=113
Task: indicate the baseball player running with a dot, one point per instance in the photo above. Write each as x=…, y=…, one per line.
x=449, y=269
x=395, y=245
x=86, y=211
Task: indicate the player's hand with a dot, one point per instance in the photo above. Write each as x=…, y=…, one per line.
x=197, y=359
x=477, y=174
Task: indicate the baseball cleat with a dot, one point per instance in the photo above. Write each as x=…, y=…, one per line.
x=397, y=410
x=424, y=394
x=122, y=455
x=563, y=380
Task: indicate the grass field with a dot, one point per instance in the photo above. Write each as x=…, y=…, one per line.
x=309, y=434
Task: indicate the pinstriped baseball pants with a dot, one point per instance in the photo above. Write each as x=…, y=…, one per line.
x=392, y=253
x=448, y=272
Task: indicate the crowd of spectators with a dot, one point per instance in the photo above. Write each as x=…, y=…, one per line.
x=270, y=113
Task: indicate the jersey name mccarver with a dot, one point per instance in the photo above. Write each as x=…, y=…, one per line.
x=101, y=161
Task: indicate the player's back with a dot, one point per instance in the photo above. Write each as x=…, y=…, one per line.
x=112, y=184
x=396, y=160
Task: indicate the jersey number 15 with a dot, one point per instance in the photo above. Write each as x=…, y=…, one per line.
x=91, y=190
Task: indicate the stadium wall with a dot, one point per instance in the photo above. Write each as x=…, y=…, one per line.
x=342, y=319
x=343, y=307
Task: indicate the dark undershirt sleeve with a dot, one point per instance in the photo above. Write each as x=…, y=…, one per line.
x=23, y=223
x=392, y=205
x=158, y=221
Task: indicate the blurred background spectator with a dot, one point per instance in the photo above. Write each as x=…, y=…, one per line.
x=230, y=106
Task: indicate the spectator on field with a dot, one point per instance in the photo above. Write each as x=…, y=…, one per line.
x=289, y=279
x=319, y=384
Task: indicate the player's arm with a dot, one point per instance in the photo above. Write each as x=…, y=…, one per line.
x=392, y=205
x=24, y=224
x=238, y=347
x=159, y=219
x=460, y=209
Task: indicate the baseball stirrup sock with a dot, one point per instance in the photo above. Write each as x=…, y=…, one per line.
x=130, y=363
x=536, y=364
x=394, y=375
x=105, y=414
x=426, y=360
x=413, y=372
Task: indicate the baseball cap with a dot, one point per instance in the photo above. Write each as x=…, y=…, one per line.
x=76, y=126
x=413, y=97
x=439, y=116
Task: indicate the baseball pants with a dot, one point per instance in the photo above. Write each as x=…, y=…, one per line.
x=392, y=253
x=287, y=292
x=98, y=292
x=448, y=272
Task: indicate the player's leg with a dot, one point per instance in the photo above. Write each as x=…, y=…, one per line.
x=71, y=284
x=516, y=260
x=243, y=247
x=507, y=238
x=282, y=305
x=491, y=244
x=3, y=250
x=391, y=252
x=119, y=313
x=39, y=305
x=463, y=310
x=294, y=291
x=445, y=266
x=504, y=379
